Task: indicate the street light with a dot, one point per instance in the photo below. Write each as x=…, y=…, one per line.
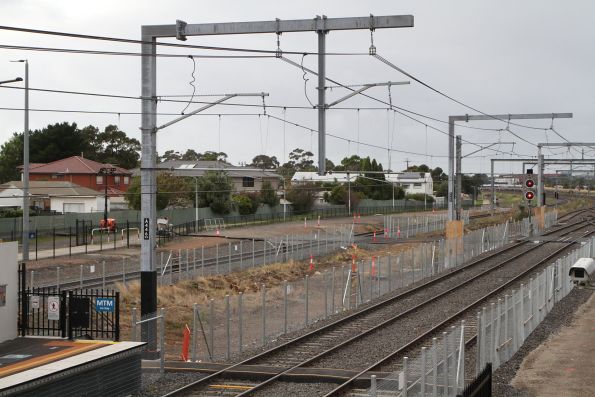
x=106, y=171
x=25, y=164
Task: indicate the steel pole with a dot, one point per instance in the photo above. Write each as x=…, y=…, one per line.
x=321, y=94
x=459, y=190
x=451, y=168
x=25, y=255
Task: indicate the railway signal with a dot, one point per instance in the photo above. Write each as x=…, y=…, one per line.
x=529, y=186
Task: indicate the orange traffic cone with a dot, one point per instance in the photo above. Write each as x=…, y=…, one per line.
x=186, y=343
x=373, y=266
x=311, y=263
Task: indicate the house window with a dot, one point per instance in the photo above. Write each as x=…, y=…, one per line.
x=247, y=182
x=126, y=180
x=405, y=186
x=417, y=185
x=117, y=179
x=100, y=179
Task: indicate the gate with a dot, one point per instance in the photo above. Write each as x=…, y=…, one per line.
x=48, y=311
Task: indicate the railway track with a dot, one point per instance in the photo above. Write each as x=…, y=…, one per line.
x=341, y=340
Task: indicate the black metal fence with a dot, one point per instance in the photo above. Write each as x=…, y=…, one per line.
x=481, y=386
x=48, y=311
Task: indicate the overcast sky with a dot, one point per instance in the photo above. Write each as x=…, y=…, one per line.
x=501, y=57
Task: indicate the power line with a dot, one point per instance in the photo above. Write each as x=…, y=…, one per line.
x=387, y=62
x=160, y=43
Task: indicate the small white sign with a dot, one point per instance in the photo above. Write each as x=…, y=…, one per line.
x=35, y=302
x=53, y=308
x=92, y=268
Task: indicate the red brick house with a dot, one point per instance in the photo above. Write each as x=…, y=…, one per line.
x=83, y=172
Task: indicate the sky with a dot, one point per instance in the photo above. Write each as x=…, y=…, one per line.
x=500, y=57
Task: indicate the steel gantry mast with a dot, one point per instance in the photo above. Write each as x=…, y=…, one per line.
x=454, y=197
x=180, y=30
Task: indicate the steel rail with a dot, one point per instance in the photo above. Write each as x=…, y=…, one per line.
x=360, y=313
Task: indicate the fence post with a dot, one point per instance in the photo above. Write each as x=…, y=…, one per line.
x=217, y=259
x=373, y=387
x=405, y=370
x=162, y=344
x=212, y=326
x=390, y=274
x=307, y=297
x=240, y=321
x=423, y=371
x=81, y=284
x=202, y=260
x=325, y=283
x=434, y=367
x=478, y=352
x=229, y=257
x=103, y=274
x=253, y=254
x=263, y=293
x=285, y=304
x=227, y=327
x=241, y=255
x=445, y=363
x=333, y=292
x=193, y=350
x=134, y=319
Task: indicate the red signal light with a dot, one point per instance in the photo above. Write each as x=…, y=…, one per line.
x=529, y=183
x=529, y=195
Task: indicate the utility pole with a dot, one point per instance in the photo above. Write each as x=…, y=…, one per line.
x=467, y=118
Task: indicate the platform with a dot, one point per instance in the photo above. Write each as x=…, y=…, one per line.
x=58, y=367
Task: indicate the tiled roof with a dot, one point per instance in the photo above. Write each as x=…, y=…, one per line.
x=74, y=165
x=52, y=188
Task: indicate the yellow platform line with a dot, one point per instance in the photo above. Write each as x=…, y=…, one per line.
x=45, y=359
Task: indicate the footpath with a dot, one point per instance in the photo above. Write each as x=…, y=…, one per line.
x=564, y=365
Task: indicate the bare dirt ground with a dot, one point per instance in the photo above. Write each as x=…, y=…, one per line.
x=565, y=364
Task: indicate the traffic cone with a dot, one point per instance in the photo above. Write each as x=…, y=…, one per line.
x=311, y=263
x=398, y=231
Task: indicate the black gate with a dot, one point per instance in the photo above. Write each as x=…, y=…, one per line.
x=481, y=385
x=48, y=311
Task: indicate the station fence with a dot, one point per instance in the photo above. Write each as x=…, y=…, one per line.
x=239, y=322
x=502, y=327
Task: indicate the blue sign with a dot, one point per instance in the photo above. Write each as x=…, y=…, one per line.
x=105, y=304
x=31, y=235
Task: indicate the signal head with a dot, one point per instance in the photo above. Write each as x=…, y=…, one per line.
x=529, y=183
x=529, y=195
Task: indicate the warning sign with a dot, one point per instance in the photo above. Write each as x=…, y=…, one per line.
x=146, y=228
x=53, y=308
x=35, y=302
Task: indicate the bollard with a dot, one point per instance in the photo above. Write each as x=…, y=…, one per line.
x=405, y=370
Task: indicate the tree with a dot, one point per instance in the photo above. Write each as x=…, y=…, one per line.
x=172, y=191
x=302, y=197
x=352, y=163
x=265, y=162
x=246, y=203
x=441, y=189
x=213, y=156
x=62, y=140
x=214, y=191
x=268, y=195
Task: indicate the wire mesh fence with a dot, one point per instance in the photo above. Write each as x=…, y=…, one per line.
x=505, y=324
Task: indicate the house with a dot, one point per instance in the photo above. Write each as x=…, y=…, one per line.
x=411, y=182
x=244, y=179
x=83, y=172
x=54, y=196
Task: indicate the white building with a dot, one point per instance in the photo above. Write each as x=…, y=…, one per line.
x=55, y=196
x=410, y=182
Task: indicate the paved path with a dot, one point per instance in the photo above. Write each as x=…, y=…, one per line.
x=564, y=365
